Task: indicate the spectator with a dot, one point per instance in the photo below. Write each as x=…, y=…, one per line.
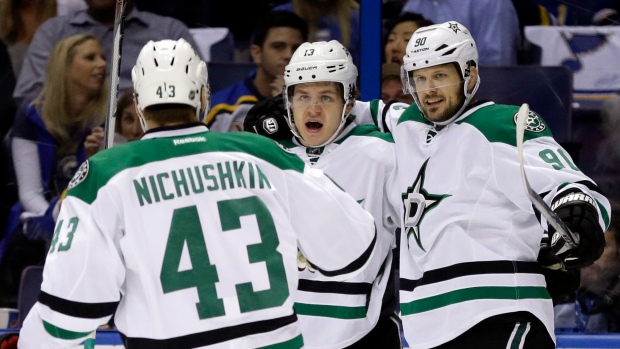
x=391, y=85
x=275, y=39
x=399, y=32
x=127, y=127
x=20, y=20
x=97, y=20
x=330, y=20
x=48, y=147
x=493, y=24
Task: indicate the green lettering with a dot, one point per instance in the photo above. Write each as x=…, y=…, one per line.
x=198, y=180
x=251, y=171
x=239, y=174
x=142, y=190
x=162, y=188
x=225, y=175
x=205, y=171
x=178, y=183
x=262, y=179
x=154, y=188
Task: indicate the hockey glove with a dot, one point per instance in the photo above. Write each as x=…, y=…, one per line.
x=268, y=118
x=578, y=211
x=42, y=227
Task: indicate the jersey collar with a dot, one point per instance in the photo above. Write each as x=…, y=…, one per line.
x=175, y=131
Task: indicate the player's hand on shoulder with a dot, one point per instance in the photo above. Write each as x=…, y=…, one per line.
x=268, y=118
x=578, y=211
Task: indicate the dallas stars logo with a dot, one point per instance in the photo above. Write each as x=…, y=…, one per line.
x=418, y=202
x=455, y=27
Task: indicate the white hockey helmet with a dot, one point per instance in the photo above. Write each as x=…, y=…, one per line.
x=320, y=62
x=448, y=42
x=170, y=72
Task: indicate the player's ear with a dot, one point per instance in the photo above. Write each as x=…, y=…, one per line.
x=473, y=71
x=350, y=106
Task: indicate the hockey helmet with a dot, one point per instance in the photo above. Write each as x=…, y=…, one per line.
x=449, y=42
x=320, y=62
x=170, y=71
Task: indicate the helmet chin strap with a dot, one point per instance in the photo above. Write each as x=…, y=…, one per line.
x=142, y=119
x=468, y=97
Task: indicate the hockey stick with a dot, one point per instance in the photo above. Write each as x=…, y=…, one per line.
x=537, y=201
x=110, y=121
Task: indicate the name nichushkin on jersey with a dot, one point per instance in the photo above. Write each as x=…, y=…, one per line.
x=220, y=176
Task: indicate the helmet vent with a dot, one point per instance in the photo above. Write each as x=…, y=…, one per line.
x=156, y=64
x=341, y=66
x=187, y=69
x=449, y=52
x=172, y=61
x=441, y=47
x=331, y=68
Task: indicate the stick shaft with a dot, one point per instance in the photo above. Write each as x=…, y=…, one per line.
x=536, y=200
x=110, y=121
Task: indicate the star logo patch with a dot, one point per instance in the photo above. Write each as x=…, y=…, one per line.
x=455, y=27
x=418, y=202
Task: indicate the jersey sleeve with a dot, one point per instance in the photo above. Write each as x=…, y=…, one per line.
x=384, y=116
x=550, y=172
x=73, y=304
x=335, y=234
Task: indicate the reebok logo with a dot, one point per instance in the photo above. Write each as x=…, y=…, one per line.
x=573, y=197
x=314, y=67
x=189, y=140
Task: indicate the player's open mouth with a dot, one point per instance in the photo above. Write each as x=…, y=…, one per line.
x=314, y=126
x=432, y=102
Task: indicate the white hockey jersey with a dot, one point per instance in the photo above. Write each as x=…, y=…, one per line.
x=337, y=314
x=470, y=236
x=193, y=235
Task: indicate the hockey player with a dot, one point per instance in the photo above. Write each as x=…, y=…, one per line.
x=191, y=237
x=469, y=276
x=320, y=88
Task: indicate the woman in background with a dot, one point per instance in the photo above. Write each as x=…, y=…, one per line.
x=48, y=138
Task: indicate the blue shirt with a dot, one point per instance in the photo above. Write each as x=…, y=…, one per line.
x=139, y=28
x=492, y=23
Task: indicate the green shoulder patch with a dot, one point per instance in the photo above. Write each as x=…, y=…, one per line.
x=497, y=123
x=412, y=114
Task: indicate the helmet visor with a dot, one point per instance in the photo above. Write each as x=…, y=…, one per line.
x=417, y=82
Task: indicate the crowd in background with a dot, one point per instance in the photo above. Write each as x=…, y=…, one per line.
x=55, y=57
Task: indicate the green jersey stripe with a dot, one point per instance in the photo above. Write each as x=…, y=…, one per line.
x=474, y=293
x=58, y=332
x=332, y=311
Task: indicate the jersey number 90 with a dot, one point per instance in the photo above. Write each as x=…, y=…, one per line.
x=187, y=230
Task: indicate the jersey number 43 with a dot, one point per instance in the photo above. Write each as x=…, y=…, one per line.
x=186, y=230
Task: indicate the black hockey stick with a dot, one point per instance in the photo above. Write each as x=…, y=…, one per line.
x=110, y=121
x=569, y=237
